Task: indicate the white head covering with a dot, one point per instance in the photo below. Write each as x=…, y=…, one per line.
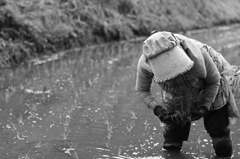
x=166, y=57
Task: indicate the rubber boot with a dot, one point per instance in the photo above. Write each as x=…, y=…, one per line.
x=222, y=146
x=172, y=146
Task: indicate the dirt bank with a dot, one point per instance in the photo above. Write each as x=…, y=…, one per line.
x=31, y=28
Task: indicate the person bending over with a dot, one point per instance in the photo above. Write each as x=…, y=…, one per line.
x=180, y=65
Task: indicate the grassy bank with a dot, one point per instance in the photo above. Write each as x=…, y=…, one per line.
x=31, y=28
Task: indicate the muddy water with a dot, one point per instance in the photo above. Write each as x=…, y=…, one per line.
x=84, y=106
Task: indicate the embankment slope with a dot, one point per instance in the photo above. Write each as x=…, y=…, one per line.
x=31, y=28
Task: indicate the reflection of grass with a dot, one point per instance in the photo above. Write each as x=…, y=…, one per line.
x=40, y=144
x=109, y=132
x=181, y=106
x=25, y=156
x=71, y=147
x=109, y=127
x=65, y=135
x=20, y=119
x=14, y=126
x=18, y=136
x=75, y=155
x=67, y=119
x=33, y=115
x=130, y=126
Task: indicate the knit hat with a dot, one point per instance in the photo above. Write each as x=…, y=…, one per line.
x=165, y=56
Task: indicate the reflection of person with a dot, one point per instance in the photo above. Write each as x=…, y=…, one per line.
x=179, y=64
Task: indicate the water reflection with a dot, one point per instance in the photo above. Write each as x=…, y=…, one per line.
x=84, y=106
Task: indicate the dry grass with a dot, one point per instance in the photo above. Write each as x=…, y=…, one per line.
x=30, y=28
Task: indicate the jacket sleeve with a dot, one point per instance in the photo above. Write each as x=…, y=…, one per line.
x=144, y=81
x=212, y=80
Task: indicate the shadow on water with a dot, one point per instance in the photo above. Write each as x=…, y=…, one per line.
x=84, y=106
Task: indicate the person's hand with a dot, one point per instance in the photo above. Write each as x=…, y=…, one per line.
x=201, y=112
x=158, y=110
x=160, y=113
x=163, y=116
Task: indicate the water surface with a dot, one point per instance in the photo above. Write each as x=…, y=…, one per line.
x=84, y=106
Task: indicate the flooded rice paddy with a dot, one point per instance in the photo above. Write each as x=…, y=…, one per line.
x=83, y=106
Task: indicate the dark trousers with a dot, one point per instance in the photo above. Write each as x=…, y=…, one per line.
x=216, y=123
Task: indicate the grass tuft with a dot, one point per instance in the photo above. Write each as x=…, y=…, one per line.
x=180, y=107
